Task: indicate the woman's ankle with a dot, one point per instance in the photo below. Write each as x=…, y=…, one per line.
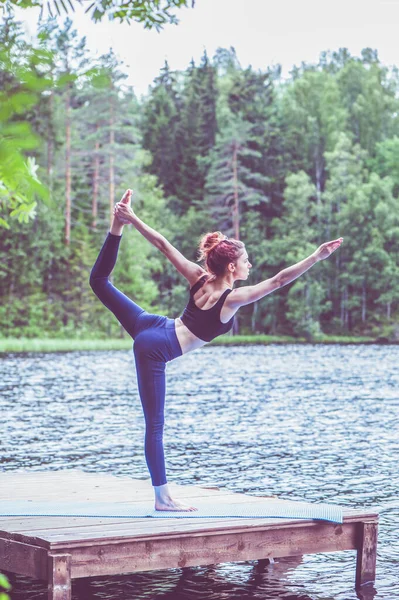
x=161, y=491
x=116, y=227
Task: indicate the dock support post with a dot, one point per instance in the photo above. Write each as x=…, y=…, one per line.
x=265, y=562
x=366, y=554
x=59, y=577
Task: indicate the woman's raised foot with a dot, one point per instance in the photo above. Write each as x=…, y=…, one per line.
x=125, y=200
x=127, y=197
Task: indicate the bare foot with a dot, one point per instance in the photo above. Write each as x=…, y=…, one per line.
x=127, y=197
x=169, y=504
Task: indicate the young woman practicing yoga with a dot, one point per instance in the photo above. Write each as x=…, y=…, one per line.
x=210, y=312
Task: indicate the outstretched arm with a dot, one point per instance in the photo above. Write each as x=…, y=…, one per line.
x=125, y=212
x=248, y=294
x=190, y=270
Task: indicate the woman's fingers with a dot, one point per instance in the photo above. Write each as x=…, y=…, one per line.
x=121, y=207
x=326, y=249
x=122, y=211
x=335, y=243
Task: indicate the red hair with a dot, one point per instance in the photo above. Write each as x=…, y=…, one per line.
x=217, y=251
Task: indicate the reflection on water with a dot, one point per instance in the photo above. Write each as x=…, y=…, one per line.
x=316, y=423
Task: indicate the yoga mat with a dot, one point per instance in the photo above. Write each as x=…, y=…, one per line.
x=112, y=510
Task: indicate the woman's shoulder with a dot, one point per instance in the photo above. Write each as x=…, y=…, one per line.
x=203, y=277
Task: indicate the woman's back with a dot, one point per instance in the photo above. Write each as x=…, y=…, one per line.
x=205, y=314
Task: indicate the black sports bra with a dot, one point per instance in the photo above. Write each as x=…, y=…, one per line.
x=205, y=323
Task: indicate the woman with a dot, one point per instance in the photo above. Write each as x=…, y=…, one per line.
x=209, y=313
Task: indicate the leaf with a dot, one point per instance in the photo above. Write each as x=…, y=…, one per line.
x=56, y=6
x=4, y=583
x=63, y=6
x=65, y=79
x=4, y=224
x=24, y=211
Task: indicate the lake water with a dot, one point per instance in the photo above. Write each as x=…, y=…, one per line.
x=304, y=422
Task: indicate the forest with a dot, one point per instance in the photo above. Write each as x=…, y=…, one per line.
x=281, y=163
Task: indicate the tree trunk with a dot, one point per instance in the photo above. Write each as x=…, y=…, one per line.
x=253, y=317
x=236, y=222
x=111, y=160
x=389, y=311
x=50, y=143
x=347, y=312
x=318, y=173
x=344, y=311
x=96, y=172
x=308, y=303
x=364, y=301
x=68, y=168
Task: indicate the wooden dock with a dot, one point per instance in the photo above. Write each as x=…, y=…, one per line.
x=59, y=549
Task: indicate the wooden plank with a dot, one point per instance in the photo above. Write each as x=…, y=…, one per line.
x=68, y=477
x=59, y=577
x=87, y=481
x=14, y=524
x=65, y=525
x=48, y=522
x=143, y=528
x=90, y=482
x=129, y=557
x=35, y=523
x=115, y=495
x=23, y=558
x=112, y=493
x=134, y=528
x=168, y=530
x=366, y=554
x=221, y=499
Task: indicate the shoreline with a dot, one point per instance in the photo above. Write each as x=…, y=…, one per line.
x=24, y=345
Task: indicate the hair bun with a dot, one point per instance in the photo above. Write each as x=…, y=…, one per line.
x=216, y=262
x=211, y=240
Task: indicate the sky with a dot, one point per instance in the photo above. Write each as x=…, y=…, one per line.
x=263, y=32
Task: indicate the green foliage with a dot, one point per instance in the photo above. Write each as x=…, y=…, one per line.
x=386, y=162
x=20, y=88
x=151, y=13
x=282, y=165
x=20, y=344
x=4, y=585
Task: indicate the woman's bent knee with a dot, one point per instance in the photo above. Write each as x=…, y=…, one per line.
x=97, y=284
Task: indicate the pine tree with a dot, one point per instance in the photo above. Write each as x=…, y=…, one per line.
x=161, y=116
x=228, y=185
x=71, y=64
x=251, y=97
x=197, y=130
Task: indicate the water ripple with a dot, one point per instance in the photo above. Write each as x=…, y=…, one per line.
x=316, y=423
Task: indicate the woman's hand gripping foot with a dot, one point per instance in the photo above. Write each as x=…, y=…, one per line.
x=123, y=210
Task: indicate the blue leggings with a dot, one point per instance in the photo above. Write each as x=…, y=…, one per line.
x=155, y=343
